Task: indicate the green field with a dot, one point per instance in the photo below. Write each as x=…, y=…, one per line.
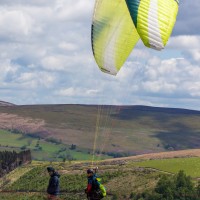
x=191, y=166
x=46, y=151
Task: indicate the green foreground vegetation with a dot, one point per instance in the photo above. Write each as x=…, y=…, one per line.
x=124, y=180
x=30, y=182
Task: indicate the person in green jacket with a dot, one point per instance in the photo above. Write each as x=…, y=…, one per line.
x=93, y=189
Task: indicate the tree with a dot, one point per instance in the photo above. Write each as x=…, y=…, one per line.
x=73, y=147
x=184, y=187
x=198, y=189
x=178, y=187
x=165, y=187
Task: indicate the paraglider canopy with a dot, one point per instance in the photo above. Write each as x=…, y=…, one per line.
x=117, y=26
x=154, y=20
x=113, y=35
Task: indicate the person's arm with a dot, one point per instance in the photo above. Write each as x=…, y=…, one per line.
x=49, y=186
x=89, y=186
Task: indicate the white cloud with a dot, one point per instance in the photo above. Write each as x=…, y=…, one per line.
x=54, y=62
x=67, y=92
x=46, y=57
x=159, y=87
x=34, y=80
x=195, y=54
x=70, y=92
x=70, y=11
x=20, y=23
x=184, y=42
x=68, y=46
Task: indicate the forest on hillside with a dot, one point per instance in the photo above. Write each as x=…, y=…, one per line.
x=9, y=160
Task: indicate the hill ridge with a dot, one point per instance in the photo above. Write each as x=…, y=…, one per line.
x=125, y=107
x=4, y=103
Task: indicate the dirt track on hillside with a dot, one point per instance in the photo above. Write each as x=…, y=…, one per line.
x=162, y=155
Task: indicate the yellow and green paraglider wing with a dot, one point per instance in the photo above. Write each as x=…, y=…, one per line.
x=113, y=34
x=154, y=20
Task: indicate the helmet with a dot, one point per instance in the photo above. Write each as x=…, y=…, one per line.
x=90, y=171
x=50, y=169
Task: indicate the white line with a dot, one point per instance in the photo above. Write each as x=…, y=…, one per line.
x=155, y=39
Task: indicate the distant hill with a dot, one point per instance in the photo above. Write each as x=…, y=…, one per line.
x=119, y=130
x=3, y=103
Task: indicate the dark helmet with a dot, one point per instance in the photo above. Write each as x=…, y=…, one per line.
x=50, y=169
x=90, y=171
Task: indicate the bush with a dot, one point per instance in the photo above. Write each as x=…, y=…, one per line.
x=178, y=187
x=23, y=147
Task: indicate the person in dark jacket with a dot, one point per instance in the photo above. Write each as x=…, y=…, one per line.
x=92, y=190
x=53, y=187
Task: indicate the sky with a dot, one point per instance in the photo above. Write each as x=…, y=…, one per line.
x=46, y=58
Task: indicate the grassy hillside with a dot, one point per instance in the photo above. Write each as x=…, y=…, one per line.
x=119, y=130
x=42, y=149
x=191, y=166
x=123, y=179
